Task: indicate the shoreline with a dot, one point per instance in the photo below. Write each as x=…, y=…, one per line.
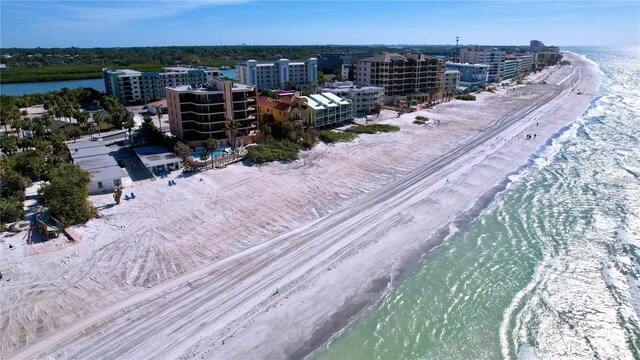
x=322, y=245
x=408, y=261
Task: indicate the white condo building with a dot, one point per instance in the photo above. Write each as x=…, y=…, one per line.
x=328, y=110
x=277, y=75
x=362, y=97
x=451, y=80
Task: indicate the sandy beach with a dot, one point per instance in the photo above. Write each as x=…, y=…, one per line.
x=190, y=271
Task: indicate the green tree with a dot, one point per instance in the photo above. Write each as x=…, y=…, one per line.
x=266, y=130
x=8, y=115
x=321, y=78
x=18, y=125
x=98, y=118
x=9, y=144
x=13, y=184
x=74, y=133
x=11, y=209
x=66, y=195
x=377, y=109
x=182, y=150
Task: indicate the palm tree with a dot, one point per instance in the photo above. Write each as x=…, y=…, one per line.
x=18, y=124
x=75, y=133
x=266, y=130
x=366, y=113
x=8, y=116
x=98, y=118
x=210, y=146
x=129, y=124
x=159, y=112
x=204, y=156
x=232, y=131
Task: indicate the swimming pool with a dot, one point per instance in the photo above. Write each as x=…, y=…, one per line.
x=213, y=154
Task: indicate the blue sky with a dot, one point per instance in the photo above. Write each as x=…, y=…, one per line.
x=54, y=23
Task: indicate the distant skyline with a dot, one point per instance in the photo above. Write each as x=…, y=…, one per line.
x=107, y=23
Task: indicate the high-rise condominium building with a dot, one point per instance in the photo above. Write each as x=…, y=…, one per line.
x=480, y=55
x=414, y=74
x=330, y=62
x=134, y=87
x=280, y=74
x=198, y=113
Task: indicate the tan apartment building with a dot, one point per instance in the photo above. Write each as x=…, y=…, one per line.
x=285, y=109
x=201, y=112
x=412, y=74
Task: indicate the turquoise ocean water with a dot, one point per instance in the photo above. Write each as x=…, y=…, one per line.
x=549, y=270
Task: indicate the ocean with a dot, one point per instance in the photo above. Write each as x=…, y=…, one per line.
x=550, y=269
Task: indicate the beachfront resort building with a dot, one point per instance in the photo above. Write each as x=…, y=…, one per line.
x=134, y=87
x=551, y=55
x=414, y=74
x=509, y=69
x=93, y=156
x=330, y=62
x=363, y=98
x=451, y=80
x=472, y=76
x=481, y=55
x=198, y=113
x=525, y=62
x=281, y=74
x=285, y=109
x=328, y=110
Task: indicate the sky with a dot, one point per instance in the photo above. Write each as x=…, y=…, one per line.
x=83, y=23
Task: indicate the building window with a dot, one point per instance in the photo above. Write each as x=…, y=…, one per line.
x=99, y=184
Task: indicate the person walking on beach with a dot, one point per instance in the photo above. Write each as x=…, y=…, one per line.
x=534, y=135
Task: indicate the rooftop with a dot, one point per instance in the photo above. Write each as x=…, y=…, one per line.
x=448, y=63
x=93, y=157
x=215, y=85
x=156, y=155
x=391, y=56
x=352, y=88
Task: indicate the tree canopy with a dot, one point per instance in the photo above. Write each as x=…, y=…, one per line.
x=66, y=195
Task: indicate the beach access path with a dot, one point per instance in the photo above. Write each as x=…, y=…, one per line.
x=190, y=270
